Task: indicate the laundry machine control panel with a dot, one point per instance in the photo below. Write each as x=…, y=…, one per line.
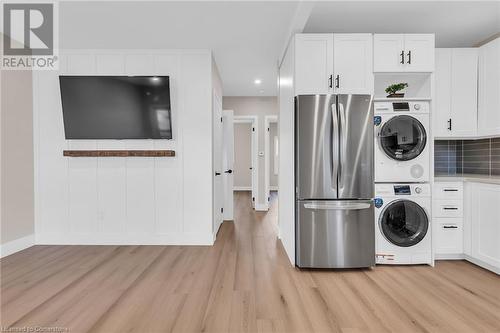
x=399, y=107
x=390, y=190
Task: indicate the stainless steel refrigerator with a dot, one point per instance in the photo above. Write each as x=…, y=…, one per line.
x=334, y=224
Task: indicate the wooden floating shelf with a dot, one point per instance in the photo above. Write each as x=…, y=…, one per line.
x=119, y=153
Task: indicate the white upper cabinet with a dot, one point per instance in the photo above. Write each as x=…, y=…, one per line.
x=419, y=49
x=403, y=52
x=442, y=96
x=352, y=63
x=388, y=52
x=333, y=63
x=456, y=92
x=464, y=92
x=313, y=64
x=489, y=89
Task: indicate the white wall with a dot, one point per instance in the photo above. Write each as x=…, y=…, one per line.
x=16, y=155
x=260, y=107
x=286, y=207
x=133, y=200
x=242, y=155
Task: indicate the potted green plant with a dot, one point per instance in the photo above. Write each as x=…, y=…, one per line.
x=393, y=89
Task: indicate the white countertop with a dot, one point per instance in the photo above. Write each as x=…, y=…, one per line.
x=468, y=178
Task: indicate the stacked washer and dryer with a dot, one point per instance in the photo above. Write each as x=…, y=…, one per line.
x=402, y=189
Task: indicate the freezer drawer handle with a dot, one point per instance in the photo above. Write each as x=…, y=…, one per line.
x=450, y=208
x=329, y=206
x=450, y=190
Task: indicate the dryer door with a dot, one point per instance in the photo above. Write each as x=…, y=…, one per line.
x=402, y=138
x=403, y=223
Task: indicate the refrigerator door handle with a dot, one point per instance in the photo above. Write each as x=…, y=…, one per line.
x=339, y=205
x=335, y=151
x=342, y=142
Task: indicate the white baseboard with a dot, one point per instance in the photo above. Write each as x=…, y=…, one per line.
x=261, y=207
x=125, y=239
x=483, y=264
x=17, y=245
x=242, y=188
x=449, y=256
x=461, y=256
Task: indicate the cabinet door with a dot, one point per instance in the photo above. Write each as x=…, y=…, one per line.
x=387, y=53
x=419, y=52
x=489, y=89
x=486, y=223
x=353, y=63
x=313, y=64
x=449, y=237
x=442, y=96
x=464, y=92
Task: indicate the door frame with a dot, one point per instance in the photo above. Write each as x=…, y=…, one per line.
x=228, y=120
x=217, y=198
x=268, y=120
x=253, y=120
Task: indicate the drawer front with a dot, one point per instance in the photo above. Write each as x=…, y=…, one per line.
x=449, y=191
x=449, y=236
x=447, y=208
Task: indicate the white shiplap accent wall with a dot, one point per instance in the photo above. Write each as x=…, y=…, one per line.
x=133, y=200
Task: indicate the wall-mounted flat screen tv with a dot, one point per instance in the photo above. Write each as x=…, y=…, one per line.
x=116, y=107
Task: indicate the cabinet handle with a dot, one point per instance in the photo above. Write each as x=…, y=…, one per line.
x=450, y=208
x=450, y=227
x=450, y=190
x=449, y=124
x=409, y=57
x=330, y=81
x=402, y=57
x=337, y=81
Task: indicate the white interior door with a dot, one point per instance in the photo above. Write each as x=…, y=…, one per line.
x=228, y=162
x=218, y=195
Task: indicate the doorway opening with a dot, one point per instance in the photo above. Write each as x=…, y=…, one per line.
x=246, y=167
x=271, y=158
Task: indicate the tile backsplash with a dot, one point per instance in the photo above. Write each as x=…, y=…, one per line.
x=456, y=157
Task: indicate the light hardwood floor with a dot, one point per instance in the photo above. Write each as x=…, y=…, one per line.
x=243, y=283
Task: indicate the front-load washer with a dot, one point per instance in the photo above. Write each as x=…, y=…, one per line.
x=403, y=224
x=402, y=141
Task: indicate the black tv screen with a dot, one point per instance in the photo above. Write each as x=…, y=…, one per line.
x=116, y=107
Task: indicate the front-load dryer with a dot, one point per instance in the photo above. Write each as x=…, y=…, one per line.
x=403, y=224
x=402, y=141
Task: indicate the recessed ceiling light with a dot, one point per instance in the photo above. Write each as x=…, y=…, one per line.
x=257, y=81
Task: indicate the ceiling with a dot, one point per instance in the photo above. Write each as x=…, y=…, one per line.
x=455, y=23
x=247, y=37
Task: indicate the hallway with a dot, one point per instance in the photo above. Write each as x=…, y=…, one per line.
x=243, y=283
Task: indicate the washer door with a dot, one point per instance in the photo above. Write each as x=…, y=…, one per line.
x=403, y=138
x=404, y=223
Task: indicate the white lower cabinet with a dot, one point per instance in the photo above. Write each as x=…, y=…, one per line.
x=467, y=227
x=485, y=223
x=447, y=211
x=449, y=236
